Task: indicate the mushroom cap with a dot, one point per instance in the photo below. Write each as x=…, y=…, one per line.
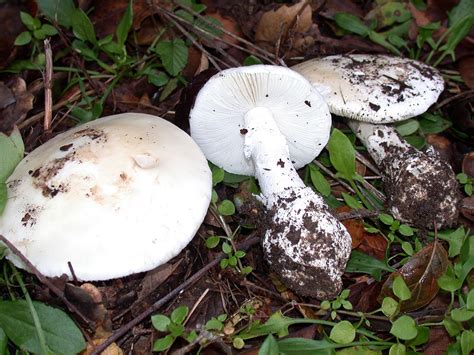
x=119, y=195
x=217, y=118
x=374, y=88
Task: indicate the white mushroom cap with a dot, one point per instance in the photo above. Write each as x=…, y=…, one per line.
x=374, y=88
x=116, y=196
x=217, y=119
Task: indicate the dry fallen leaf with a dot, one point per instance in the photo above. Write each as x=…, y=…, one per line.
x=18, y=108
x=465, y=67
x=274, y=24
x=420, y=274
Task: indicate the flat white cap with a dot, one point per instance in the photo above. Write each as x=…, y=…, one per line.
x=217, y=118
x=116, y=196
x=374, y=88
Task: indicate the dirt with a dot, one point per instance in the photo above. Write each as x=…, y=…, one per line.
x=295, y=266
x=420, y=199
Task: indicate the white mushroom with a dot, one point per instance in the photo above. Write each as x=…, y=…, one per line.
x=265, y=121
x=373, y=90
x=116, y=196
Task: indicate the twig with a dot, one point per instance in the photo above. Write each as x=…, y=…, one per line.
x=48, y=77
x=263, y=53
x=329, y=172
x=367, y=163
x=360, y=213
x=45, y=281
x=158, y=304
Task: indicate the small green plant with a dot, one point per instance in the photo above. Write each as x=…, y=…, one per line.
x=466, y=182
x=36, y=32
x=174, y=326
x=338, y=303
x=12, y=149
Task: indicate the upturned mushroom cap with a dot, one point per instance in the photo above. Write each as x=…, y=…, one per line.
x=374, y=88
x=120, y=195
x=217, y=119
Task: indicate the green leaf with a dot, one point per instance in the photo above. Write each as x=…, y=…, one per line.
x=224, y=263
x=407, y=127
x=217, y=175
x=173, y=55
x=61, y=333
x=386, y=219
x=422, y=337
x=343, y=332
x=28, y=21
x=12, y=149
x=449, y=283
x=170, y=86
x=83, y=28
x=179, y=314
x=214, y=197
x=226, y=248
x=3, y=197
x=397, y=349
x=125, y=24
x=467, y=342
x=157, y=78
x=407, y=248
x=160, y=322
x=3, y=342
x=400, y=289
x=212, y=241
x=252, y=60
x=470, y=300
x=297, y=346
x=269, y=346
x=49, y=30
x=430, y=123
x=226, y=208
x=175, y=329
x=238, y=343
x=405, y=230
x=390, y=307
x=404, y=328
x=461, y=10
x=342, y=154
x=351, y=201
x=453, y=328
x=23, y=39
x=319, y=181
x=455, y=240
x=163, y=343
x=214, y=324
x=380, y=39
x=351, y=23
x=461, y=314
x=458, y=31
x=361, y=262
x=60, y=11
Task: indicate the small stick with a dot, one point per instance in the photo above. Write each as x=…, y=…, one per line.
x=43, y=279
x=48, y=77
x=361, y=213
x=158, y=304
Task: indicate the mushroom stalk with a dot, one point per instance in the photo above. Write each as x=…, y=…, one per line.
x=421, y=189
x=304, y=243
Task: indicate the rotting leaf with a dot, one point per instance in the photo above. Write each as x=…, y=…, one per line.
x=274, y=24
x=420, y=274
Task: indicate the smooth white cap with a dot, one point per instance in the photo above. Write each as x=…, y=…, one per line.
x=217, y=118
x=374, y=88
x=116, y=196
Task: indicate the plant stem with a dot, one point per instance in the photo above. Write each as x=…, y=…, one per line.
x=34, y=314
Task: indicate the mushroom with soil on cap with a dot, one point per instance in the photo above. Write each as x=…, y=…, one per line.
x=266, y=121
x=373, y=90
x=119, y=195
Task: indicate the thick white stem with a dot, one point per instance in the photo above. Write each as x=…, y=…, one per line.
x=305, y=245
x=421, y=189
x=266, y=146
x=378, y=139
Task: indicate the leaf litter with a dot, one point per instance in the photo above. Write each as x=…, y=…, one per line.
x=283, y=31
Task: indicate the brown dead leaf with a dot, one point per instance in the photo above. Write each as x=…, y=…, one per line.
x=274, y=24
x=331, y=8
x=197, y=63
x=363, y=296
x=11, y=28
x=374, y=245
x=467, y=207
x=230, y=25
x=154, y=278
x=354, y=226
x=465, y=67
x=18, y=109
x=438, y=341
x=443, y=146
x=88, y=299
x=420, y=274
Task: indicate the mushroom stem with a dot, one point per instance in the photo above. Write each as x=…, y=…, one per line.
x=420, y=188
x=304, y=243
x=267, y=147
